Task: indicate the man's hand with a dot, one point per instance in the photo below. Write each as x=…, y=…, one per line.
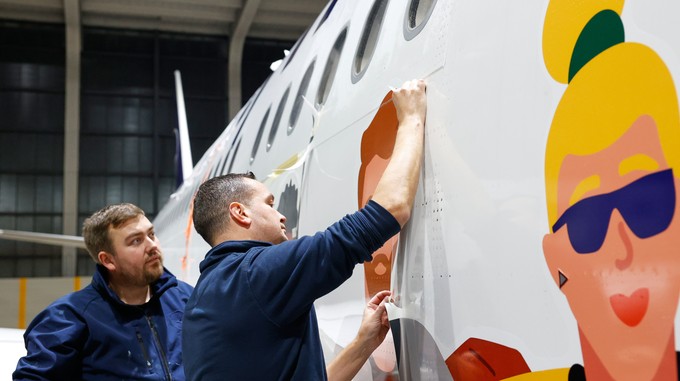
x=410, y=101
x=375, y=324
x=372, y=332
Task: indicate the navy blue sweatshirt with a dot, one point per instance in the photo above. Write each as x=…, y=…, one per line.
x=251, y=315
x=92, y=335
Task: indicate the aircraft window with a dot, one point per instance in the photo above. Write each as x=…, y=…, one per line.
x=258, y=138
x=244, y=114
x=331, y=68
x=302, y=90
x=233, y=157
x=294, y=49
x=369, y=40
x=221, y=165
x=213, y=171
x=326, y=14
x=417, y=15
x=277, y=119
x=210, y=169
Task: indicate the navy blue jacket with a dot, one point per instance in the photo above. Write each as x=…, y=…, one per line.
x=251, y=316
x=92, y=335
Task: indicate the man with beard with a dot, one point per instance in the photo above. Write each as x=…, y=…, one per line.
x=126, y=324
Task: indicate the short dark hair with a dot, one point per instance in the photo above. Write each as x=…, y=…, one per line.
x=211, y=203
x=96, y=227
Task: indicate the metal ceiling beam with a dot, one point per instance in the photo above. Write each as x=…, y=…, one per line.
x=312, y=8
x=33, y=10
x=272, y=19
x=275, y=19
x=236, y=43
x=169, y=11
x=236, y=4
x=53, y=4
x=33, y=16
x=220, y=29
x=71, y=132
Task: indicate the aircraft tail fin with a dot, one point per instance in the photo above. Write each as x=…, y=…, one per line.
x=183, y=160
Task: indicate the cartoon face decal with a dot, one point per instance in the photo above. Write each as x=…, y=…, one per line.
x=617, y=249
x=611, y=190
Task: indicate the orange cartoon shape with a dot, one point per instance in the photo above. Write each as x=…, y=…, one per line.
x=377, y=144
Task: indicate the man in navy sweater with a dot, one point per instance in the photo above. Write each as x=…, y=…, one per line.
x=251, y=315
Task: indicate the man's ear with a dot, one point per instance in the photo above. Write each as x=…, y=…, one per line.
x=240, y=214
x=106, y=260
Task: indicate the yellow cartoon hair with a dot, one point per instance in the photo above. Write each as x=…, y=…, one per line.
x=610, y=84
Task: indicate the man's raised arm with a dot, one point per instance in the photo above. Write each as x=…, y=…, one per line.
x=397, y=187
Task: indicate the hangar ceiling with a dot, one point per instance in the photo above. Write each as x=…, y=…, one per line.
x=236, y=19
x=269, y=19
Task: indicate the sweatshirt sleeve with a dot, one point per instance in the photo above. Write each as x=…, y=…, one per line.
x=53, y=344
x=286, y=279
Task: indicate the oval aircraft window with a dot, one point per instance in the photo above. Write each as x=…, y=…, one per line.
x=331, y=68
x=221, y=165
x=258, y=138
x=294, y=49
x=233, y=157
x=417, y=14
x=302, y=91
x=277, y=119
x=329, y=9
x=369, y=40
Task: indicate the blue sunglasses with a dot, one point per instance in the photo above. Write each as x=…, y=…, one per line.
x=647, y=205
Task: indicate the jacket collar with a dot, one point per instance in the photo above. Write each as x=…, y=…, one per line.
x=100, y=282
x=224, y=249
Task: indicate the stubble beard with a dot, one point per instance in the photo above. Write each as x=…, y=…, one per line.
x=154, y=272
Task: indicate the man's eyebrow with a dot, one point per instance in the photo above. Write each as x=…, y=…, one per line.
x=134, y=234
x=139, y=232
